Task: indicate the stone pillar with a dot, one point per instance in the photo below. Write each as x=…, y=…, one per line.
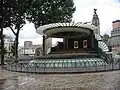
x=43, y=45
x=92, y=40
x=48, y=44
x=65, y=41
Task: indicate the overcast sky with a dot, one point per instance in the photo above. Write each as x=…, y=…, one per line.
x=107, y=10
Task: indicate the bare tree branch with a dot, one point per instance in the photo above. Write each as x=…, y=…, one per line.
x=13, y=31
x=21, y=26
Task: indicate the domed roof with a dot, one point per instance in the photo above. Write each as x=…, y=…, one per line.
x=54, y=28
x=114, y=41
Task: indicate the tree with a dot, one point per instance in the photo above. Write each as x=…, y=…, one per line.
x=43, y=12
x=12, y=49
x=38, y=51
x=3, y=51
x=40, y=12
x=12, y=14
x=6, y=12
x=18, y=21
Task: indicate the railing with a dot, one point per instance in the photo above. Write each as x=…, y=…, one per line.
x=43, y=68
x=104, y=56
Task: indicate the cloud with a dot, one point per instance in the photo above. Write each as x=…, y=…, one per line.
x=8, y=32
x=28, y=32
x=37, y=40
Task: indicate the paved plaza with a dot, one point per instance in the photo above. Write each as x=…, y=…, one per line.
x=87, y=81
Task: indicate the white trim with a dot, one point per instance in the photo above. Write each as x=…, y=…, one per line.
x=79, y=25
x=75, y=44
x=85, y=45
x=66, y=29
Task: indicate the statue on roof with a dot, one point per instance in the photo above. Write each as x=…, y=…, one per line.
x=95, y=11
x=95, y=21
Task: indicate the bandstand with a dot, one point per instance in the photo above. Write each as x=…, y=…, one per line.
x=80, y=49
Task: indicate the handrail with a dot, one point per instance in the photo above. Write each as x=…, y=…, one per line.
x=106, y=57
x=101, y=53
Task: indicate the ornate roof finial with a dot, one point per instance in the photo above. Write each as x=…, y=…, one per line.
x=95, y=11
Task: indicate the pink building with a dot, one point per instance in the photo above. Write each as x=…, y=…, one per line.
x=116, y=24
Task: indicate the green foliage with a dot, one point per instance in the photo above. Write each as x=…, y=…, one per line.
x=14, y=13
x=50, y=11
x=18, y=21
x=19, y=15
x=12, y=48
x=38, y=51
x=6, y=15
x=118, y=53
x=3, y=51
x=6, y=12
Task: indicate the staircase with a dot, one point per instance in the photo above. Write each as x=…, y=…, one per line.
x=101, y=49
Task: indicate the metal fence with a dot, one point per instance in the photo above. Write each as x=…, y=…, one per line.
x=38, y=68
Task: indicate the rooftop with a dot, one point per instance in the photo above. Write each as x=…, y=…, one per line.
x=116, y=21
x=58, y=28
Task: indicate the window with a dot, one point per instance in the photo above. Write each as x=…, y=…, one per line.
x=85, y=44
x=33, y=50
x=75, y=44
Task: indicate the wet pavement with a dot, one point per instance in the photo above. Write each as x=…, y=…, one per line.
x=87, y=81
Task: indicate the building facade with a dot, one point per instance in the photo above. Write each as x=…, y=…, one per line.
x=30, y=50
x=27, y=44
x=96, y=22
x=8, y=42
x=114, y=41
